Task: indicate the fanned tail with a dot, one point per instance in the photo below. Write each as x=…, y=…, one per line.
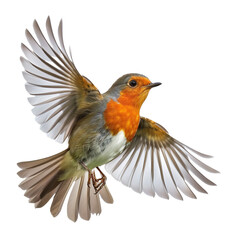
x=83, y=201
x=43, y=181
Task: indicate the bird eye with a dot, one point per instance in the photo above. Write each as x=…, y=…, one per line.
x=132, y=83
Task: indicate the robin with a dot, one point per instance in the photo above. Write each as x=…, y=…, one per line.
x=101, y=129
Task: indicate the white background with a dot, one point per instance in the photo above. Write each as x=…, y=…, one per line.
x=193, y=48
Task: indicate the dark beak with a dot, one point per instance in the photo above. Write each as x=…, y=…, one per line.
x=151, y=85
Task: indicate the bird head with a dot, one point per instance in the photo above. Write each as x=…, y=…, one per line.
x=132, y=89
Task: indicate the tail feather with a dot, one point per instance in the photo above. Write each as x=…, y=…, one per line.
x=52, y=183
x=36, y=163
x=95, y=205
x=43, y=180
x=73, y=202
x=106, y=195
x=36, y=178
x=84, y=201
x=37, y=188
x=28, y=172
x=60, y=196
x=46, y=198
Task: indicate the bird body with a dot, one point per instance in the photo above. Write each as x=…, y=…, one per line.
x=110, y=124
x=102, y=129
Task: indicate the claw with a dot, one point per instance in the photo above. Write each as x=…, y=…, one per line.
x=98, y=183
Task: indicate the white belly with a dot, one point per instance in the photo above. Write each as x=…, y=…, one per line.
x=112, y=149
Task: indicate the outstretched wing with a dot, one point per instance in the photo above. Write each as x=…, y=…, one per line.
x=59, y=91
x=154, y=162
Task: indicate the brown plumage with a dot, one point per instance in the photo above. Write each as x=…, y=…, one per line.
x=101, y=129
x=42, y=182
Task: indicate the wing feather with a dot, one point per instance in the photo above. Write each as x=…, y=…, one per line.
x=59, y=91
x=185, y=172
x=136, y=178
x=168, y=176
x=147, y=173
x=154, y=162
x=195, y=160
x=42, y=40
x=158, y=180
x=178, y=177
x=129, y=168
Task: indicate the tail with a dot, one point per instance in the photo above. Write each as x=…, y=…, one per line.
x=43, y=181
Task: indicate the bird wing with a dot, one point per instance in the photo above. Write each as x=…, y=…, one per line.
x=59, y=91
x=155, y=162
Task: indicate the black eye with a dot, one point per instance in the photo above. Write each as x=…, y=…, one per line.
x=132, y=83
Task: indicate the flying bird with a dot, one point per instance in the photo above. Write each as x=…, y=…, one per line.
x=101, y=129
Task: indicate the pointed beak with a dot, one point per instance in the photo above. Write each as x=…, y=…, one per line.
x=152, y=85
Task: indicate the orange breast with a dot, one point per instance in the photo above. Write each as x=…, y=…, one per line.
x=121, y=117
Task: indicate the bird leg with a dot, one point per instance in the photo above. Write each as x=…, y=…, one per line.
x=98, y=183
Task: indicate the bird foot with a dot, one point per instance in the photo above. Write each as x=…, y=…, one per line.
x=98, y=183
